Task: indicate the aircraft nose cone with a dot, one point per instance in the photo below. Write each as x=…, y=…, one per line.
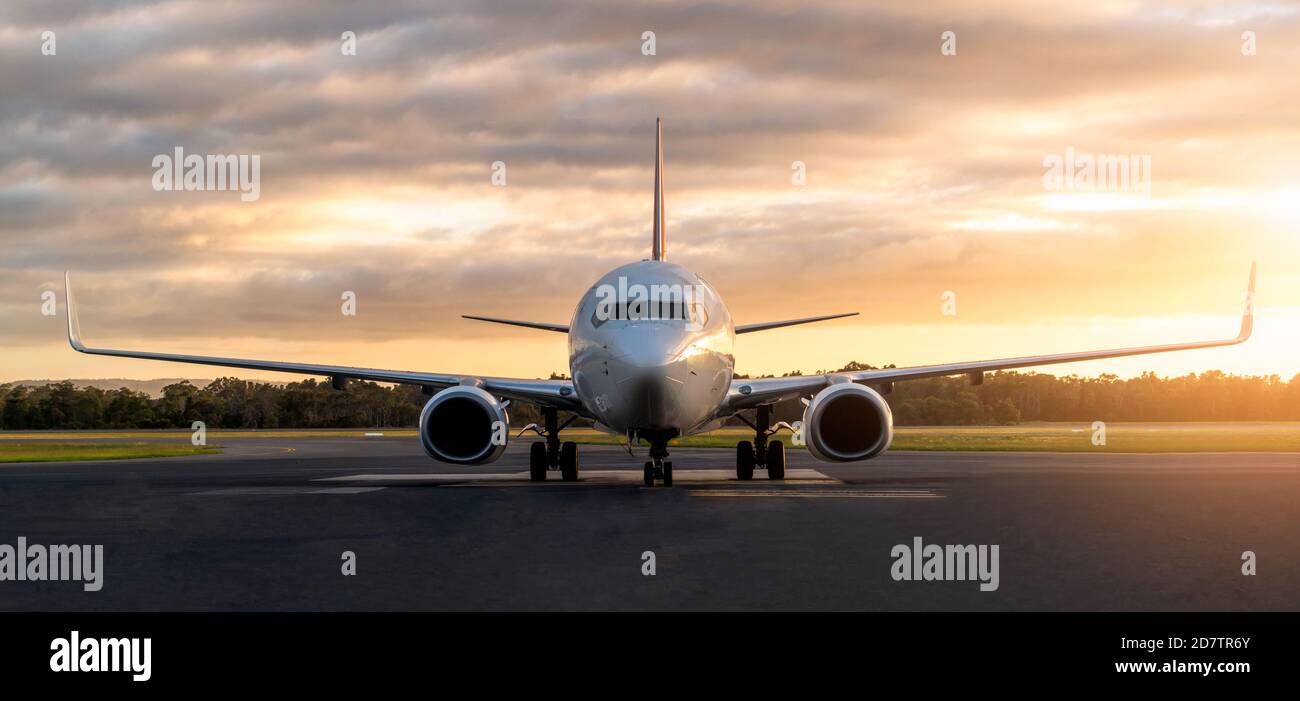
x=649, y=401
x=647, y=347
x=647, y=363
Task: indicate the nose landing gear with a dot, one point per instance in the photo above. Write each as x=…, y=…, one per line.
x=761, y=454
x=551, y=454
x=658, y=467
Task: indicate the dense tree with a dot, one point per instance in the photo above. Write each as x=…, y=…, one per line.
x=1003, y=398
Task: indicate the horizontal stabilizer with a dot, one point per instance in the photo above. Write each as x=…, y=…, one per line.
x=561, y=328
x=747, y=328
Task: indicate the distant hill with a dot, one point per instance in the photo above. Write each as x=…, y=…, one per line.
x=151, y=387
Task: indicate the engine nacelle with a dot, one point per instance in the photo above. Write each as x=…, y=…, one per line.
x=847, y=422
x=464, y=425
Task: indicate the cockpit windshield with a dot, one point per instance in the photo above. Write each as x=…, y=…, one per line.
x=649, y=303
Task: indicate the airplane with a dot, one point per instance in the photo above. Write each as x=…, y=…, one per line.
x=651, y=357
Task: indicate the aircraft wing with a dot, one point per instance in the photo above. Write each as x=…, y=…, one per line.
x=554, y=393
x=750, y=393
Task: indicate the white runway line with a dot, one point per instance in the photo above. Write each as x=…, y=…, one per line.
x=819, y=494
x=680, y=477
x=285, y=491
x=429, y=477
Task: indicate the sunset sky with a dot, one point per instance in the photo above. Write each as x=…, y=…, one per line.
x=924, y=174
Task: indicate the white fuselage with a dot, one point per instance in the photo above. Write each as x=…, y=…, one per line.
x=667, y=370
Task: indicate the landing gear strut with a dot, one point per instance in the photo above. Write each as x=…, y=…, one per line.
x=761, y=454
x=551, y=454
x=657, y=467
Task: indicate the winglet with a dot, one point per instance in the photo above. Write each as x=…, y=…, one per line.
x=1248, y=311
x=74, y=326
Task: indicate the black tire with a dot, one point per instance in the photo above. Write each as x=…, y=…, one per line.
x=537, y=462
x=776, y=460
x=744, y=461
x=569, y=461
x=668, y=474
x=648, y=475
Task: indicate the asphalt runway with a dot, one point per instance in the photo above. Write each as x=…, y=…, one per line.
x=264, y=525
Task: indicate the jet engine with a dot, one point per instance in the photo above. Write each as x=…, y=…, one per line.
x=464, y=425
x=847, y=422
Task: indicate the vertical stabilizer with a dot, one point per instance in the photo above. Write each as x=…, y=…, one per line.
x=659, y=249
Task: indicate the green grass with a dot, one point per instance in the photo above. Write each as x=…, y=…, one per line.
x=63, y=452
x=1120, y=438
x=1197, y=437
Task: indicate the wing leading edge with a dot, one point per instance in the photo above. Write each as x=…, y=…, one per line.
x=748, y=393
x=556, y=393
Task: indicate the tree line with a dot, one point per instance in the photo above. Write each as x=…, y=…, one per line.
x=1003, y=398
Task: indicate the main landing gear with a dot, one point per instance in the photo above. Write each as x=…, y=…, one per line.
x=657, y=467
x=761, y=454
x=551, y=454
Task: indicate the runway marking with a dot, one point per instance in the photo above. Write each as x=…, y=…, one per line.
x=285, y=491
x=588, y=477
x=428, y=477
x=270, y=450
x=819, y=494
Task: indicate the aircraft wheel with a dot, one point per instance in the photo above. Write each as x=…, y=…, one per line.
x=648, y=475
x=744, y=460
x=668, y=474
x=537, y=462
x=569, y=461
x=776, y=460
